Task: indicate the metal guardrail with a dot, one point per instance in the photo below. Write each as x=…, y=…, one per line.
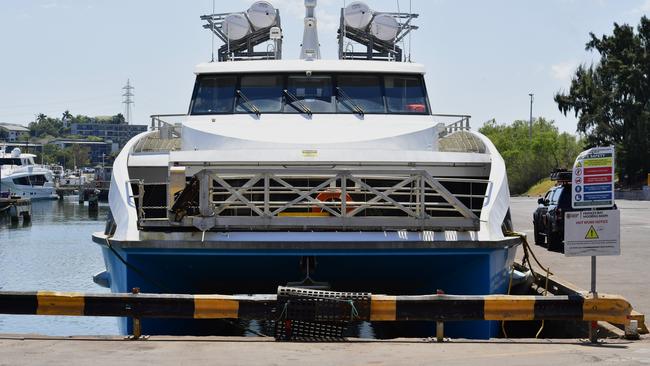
x=305, y=305
x=157, y=121
x=166, y=139
x=326, y=198
x=462, y=124
x=167, y=129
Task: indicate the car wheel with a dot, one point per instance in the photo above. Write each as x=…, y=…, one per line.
x=555, y=243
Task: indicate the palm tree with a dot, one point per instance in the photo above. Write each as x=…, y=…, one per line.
x=66, y=117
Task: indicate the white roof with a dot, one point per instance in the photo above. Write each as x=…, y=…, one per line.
x=314, y=65
x=13, y=127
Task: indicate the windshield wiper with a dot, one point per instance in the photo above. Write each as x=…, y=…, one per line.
x=355, y=107
x=294, y=99
x=248, y=103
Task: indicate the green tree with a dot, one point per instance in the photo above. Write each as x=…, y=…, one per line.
x=66, y=115
x=80, y=155
x=118, y=119
x=45, y=125
x=612, y=98
x=529, y=160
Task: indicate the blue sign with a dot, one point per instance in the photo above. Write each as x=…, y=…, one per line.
x=578, y=189
x=598, y=196
x=598, y=188
x=578, y=197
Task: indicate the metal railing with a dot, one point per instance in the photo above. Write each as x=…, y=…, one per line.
x=461, y=124
x=167, y=137
x=167, y=129
x=309, y=199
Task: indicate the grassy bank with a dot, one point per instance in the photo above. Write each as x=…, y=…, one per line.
x=540, y=188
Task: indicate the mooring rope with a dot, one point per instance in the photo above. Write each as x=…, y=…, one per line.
x=528, y=252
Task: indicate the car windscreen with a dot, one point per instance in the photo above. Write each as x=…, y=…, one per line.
x=555, y=197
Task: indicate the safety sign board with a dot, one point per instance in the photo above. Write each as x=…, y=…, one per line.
x=593, y=179
x=592, y=233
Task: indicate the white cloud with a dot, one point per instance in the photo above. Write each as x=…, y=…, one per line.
x=563, y=71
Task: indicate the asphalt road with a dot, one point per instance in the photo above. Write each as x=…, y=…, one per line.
x=255, y=351
x=623, y=275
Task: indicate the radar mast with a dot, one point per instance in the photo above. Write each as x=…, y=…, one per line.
x=310, y=48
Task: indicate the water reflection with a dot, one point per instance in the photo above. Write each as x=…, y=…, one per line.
x=53, y=252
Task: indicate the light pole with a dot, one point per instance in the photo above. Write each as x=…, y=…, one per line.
x=530, y=127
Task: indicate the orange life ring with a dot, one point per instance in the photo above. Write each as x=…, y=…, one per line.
x=332, y=196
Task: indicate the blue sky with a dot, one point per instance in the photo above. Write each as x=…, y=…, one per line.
x=482, y=57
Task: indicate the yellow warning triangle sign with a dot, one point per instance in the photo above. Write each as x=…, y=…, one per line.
x=591, y=233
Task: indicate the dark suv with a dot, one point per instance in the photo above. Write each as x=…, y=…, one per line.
x=548, y=218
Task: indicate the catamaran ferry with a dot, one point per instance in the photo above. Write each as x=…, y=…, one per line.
x=308, y=172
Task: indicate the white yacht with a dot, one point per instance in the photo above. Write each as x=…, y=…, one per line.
x=20, y=176
x=310, y=172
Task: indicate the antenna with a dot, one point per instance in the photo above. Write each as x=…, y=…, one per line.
x=212, y=25
x=128, y=100
x=410, y=12
x=310, y=47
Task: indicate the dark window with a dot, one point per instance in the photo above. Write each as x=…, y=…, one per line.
x=405, y=94
x=320, y=93
x=214, y=94
x=38, y=180
x=314, y=91
x=22, y=181
x=363, y=91
x=10, y=161
x=263, y=92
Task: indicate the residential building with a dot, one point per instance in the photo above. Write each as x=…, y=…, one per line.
x=98, y=149
x=119, y=133
x=13, y=132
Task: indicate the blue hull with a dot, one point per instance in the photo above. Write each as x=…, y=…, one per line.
x=397, y=272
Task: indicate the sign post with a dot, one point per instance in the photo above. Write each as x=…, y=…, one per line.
x=593, y=231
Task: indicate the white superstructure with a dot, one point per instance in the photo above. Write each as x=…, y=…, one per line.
x=20, y=176
x=272, y=149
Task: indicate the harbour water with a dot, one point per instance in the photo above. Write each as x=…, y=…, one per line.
x=53, y=253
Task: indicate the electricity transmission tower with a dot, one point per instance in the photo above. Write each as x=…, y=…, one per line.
x=128, y=100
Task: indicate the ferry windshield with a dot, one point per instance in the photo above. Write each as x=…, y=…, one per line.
x=263, y=92
x=315, y=92
x=344, y=93
x=214, y=95
x=363, y=91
